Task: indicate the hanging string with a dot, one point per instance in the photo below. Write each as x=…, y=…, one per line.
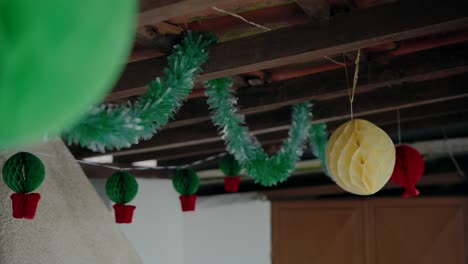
x=399, y=126
x=355, y=80
x=337, y=62
x=346, y=72
x=241, y=18
x=197, y=162
x=452, y=157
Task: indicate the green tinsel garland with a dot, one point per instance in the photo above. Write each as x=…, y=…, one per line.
x=120, y=126
x=257, y=164
x=318, y=143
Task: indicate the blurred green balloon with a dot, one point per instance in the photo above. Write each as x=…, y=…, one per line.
x=57, y=59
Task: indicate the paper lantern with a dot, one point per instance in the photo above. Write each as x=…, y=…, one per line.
x=409, y=168
x=186, y=183
x=24, y=173
x=360, y=157
x=231, y=168
x=121, y=188
x=57, y=59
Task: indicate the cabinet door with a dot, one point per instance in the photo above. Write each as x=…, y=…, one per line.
x=318, y=232
x=413, y=231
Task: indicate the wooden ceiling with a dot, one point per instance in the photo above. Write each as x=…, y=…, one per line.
x=415, y=55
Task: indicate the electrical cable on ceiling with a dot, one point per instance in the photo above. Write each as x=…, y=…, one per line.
x=197, y=162
x=452, y=157
x=399, y=126
x=241, y=18
x=335, y=61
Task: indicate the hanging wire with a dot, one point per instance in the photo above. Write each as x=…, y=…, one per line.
x=399, y=126
x=347, y=75
x=335, y=61
x=197, y=162
x=352, y=90
x=452, y=157
x=241, y=18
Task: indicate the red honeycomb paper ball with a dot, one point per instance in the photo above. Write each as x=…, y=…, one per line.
x=409, y=168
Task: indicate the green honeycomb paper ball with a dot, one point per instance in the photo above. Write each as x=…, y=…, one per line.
x=121, y=187
x=186, y=181
x=23, y=172
x=57, y=59
x=230, y=166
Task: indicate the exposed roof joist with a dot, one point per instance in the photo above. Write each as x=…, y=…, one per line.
x=358, y=29
x=382, y=100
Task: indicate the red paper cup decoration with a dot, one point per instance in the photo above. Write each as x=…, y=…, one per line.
x=24, y=173
x=409, y=168
x=231, y=183
x=186, y=182
x=121, y=188
x=231, y=168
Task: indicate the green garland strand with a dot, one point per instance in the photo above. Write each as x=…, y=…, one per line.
x=120, y=126
x=318, y=143
x=263, y=169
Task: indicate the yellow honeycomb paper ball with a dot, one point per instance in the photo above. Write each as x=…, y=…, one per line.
x=360, y=157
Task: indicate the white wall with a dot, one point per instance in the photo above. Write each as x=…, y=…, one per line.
x=71, y=226
x=156, y=231
x=229, y=232
x=227, y=229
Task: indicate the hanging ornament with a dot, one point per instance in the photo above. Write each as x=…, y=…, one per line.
x=231, y=168
x=360, y=157
x=318, y=142
x=409, y=168
x=57, y=59
x=24, y=173
x=121, y=188
x=186, y=183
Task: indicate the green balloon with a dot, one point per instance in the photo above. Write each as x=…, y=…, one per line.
x=57, y=59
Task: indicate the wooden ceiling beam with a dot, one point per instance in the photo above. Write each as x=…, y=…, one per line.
x=383, y=100
x=93, y=171
x=408, y=126
x=319, y=10
x=416, y=67
x=154, y=11
x=196, y=150
x=358, y=29
x=183, y=155
x=197, y=143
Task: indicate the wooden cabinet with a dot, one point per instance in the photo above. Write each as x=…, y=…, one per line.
x=380, y=231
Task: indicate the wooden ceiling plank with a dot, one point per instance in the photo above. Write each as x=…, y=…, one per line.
x=358, y=29
x=154, y=11
x=407, y=127
x=421, y=66
x=384, y=100
x=318, y=10
x=196, y=150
